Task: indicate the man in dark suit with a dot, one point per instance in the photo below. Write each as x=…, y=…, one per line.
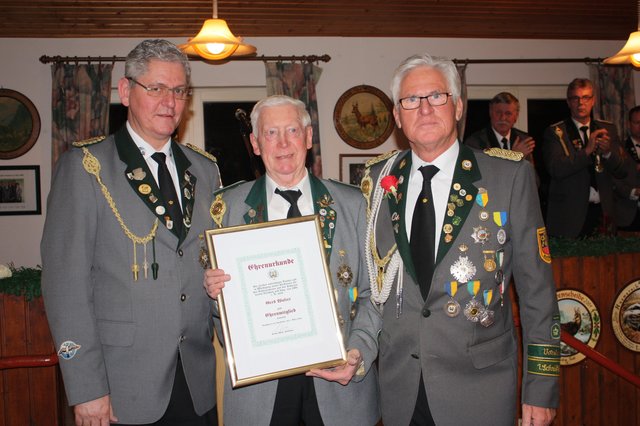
x=121, y=277
x=504, y=109
x=348, y=394
x=582, y=155
x=448, y=228
x=627, y=190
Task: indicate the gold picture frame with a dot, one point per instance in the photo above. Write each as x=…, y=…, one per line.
x=363, y=117
x=19, y=124
x=278, y=313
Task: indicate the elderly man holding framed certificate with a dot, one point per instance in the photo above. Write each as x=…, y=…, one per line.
x=346, y=394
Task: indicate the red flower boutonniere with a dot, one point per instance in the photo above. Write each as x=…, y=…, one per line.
x=390, y=185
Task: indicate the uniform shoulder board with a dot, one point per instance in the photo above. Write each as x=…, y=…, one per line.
x=226, y=188
x=380, y=158
x=201, y=152
x=557, y=124
x=605, y=121
x=87, y=142
x=506, y=154
x=339, y=182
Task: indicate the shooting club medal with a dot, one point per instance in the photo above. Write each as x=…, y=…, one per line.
x=451, y=308
x=473, y=309
x=489, y=262
x=487, y=315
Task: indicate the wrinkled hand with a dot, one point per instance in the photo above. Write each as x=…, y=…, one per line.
x=214, y=280
x=342, y=373
x=599, y=139
x=524, y=146
x=537, y=416
x=95, y=413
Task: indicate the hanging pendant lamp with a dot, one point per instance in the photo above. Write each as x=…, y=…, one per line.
x=630, y=53
x=215, y=41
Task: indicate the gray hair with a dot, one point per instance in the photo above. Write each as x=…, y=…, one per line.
x=279, y=100
x=505, y=98
x=445, y=66
x=138, y=59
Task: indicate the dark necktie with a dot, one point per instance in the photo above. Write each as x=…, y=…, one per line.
x=292, y=197
x=505, y=143
x=585, y=135
x=423, y=232
x=168, y=192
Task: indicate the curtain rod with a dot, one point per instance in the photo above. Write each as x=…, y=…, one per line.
x=527, y=61
x=67, y=59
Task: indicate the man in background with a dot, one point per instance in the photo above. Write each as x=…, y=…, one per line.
x=504, y=109
x=121, y=278
x=627, y=190
x=581, y=155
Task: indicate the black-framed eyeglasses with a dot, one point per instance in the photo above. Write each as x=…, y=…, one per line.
x=584, y=99
x=160, y=91
x=435, y=99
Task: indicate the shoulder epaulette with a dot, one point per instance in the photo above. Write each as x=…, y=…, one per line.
x=380, y=158
x=87, y=142
x=506, y=154
x=557, y=124
x=605, y=121
x=201, y=152
x=339, y=182
x=226, y=188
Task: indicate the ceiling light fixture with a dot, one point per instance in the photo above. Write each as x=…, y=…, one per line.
x=215, y=41
x=630, y=53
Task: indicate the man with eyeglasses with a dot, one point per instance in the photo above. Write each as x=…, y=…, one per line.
x=447, y=228
x=581, y=155
x=121, y=280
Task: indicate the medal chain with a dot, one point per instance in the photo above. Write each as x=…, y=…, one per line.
x=92, y=166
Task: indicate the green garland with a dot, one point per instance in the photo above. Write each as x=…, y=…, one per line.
x=600, y=245
x=23, y=282
x=26, y=281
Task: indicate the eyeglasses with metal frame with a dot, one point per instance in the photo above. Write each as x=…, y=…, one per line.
x=584, y=99
x=182, y=92
x=434, y=99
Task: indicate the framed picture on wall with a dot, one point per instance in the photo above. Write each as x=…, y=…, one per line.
x=352, y=167
x=19, y=124
x=363, y=117
x=19, y=190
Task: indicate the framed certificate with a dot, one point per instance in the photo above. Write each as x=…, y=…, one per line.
x=278, y=311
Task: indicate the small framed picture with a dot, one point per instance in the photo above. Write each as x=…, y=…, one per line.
x=352, y=167
x=19, y=190
x=363, y=117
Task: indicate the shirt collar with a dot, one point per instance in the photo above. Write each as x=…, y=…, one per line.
x=145, y=149
x=446, y=162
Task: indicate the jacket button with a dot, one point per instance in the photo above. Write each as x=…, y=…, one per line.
x=180, y=253
x=415, y=356
x=426, y=312
x=183, y=297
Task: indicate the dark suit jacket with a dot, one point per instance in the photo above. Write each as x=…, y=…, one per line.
x=486, y=138
x=128, y=332
x=626, y=209
x=469, y=370
x=569, y=171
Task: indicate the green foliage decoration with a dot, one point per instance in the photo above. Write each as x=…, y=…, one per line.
x=600, y=245
x=24, y=281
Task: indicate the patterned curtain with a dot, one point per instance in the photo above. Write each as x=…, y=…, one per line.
x=615, y=94
x=462, y=70
x=79, y=104
x=299, y=81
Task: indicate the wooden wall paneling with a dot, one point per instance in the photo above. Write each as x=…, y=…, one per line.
x=16, y=381
x=43, y=381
